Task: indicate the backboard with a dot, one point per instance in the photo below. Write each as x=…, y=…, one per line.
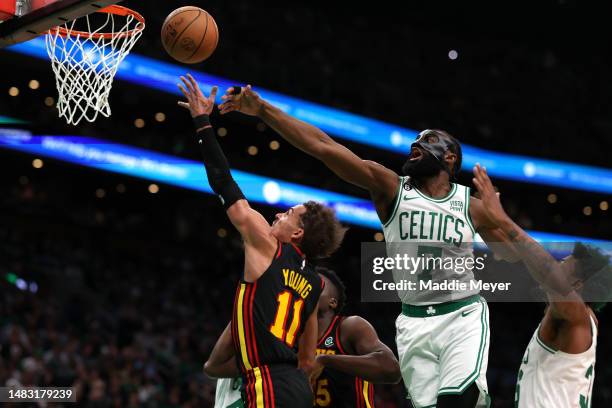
x=22, y=20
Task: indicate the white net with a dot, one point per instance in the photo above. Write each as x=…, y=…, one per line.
x=85, y=62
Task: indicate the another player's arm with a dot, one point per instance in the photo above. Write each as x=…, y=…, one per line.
x=253, y=227
x=222, y=360
x=373, y=360
x=380, y=181
x=307, y=344
x=565, y=303
x=496, y=239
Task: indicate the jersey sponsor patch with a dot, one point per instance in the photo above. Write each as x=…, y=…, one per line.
x=329, y=341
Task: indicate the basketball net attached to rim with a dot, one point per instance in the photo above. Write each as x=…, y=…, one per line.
x=85, y=62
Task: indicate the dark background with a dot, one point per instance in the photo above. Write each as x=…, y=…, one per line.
x=133, y=287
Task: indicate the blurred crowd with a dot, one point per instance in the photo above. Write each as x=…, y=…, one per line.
x=133, y=288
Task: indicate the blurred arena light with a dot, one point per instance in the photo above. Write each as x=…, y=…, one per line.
x=149, y=165
x=13, y=91
x=162, y=76
x=34, y=84
x=453, y=54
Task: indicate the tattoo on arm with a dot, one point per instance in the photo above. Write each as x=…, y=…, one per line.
x=541, y=264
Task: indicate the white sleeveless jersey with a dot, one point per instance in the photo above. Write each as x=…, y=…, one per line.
x=424, y=227
x=227, y=394
x=551, y=378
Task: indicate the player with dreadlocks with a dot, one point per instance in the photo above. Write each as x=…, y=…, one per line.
x=349, y=353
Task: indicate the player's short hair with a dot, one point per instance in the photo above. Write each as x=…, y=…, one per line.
x=455, y=148
x=595, y=272
x=323, y=233
x=333, y=277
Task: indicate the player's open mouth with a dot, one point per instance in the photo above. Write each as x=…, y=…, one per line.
x=415, y=154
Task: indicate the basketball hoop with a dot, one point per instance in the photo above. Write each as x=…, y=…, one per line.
x=85, y=62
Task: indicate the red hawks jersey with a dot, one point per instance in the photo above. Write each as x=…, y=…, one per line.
x=335, y=389
x=270, y=313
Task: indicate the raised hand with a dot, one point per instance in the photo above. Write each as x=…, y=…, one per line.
x=246, y=101
x=197, y=103
x=490, y=198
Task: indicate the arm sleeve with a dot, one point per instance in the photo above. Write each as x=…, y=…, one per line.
x=215, y=162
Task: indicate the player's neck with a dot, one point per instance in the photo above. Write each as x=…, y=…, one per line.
x=324, y=320
x=437, y=186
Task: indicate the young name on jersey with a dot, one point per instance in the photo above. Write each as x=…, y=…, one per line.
x=297, y=282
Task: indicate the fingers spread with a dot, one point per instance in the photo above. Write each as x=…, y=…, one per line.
x=184, y=91
x=194, y=85
x=188, y=85
x=227, y=107
x=213, y=93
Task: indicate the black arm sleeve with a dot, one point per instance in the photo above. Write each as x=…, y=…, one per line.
x=215, y=162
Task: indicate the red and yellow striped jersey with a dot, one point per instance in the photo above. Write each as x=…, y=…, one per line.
x=269, y=314
x=335, y=389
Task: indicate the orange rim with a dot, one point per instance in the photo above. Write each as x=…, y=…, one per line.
x=114, y=9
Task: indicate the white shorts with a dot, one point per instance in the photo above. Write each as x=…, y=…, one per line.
x=444, y=354
x=227, y=394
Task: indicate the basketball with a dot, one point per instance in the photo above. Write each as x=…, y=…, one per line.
x=190, y=35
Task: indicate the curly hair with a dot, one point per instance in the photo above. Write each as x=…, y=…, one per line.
x=323, y=233
x=595, y=272
x=333, y=277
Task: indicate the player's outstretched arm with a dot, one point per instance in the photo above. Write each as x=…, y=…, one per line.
x=374, y=177
x=222, y=362
x=566, y=304
x=373, y=360
x=252, y=225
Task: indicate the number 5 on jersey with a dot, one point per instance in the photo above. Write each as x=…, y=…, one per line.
x=279, y=327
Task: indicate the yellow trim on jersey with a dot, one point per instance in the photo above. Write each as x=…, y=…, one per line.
x=240, y=325
x=366, y=393
x=259, y=396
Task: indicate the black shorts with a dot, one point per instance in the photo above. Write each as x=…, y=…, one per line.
x=278, y=386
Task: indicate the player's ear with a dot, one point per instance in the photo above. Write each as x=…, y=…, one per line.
x=333, y=303
x=297, y=235
x=450, y=157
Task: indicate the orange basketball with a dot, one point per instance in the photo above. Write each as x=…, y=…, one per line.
x=190, y=35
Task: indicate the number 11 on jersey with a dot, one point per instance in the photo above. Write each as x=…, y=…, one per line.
x=278, y=328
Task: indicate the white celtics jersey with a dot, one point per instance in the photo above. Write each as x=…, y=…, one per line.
x=440, y=232
x=227, y=394
x=551, y=378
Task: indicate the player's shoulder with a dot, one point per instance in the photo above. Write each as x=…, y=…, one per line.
x=355, y=324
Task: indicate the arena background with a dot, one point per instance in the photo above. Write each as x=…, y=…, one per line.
x=120, y=288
